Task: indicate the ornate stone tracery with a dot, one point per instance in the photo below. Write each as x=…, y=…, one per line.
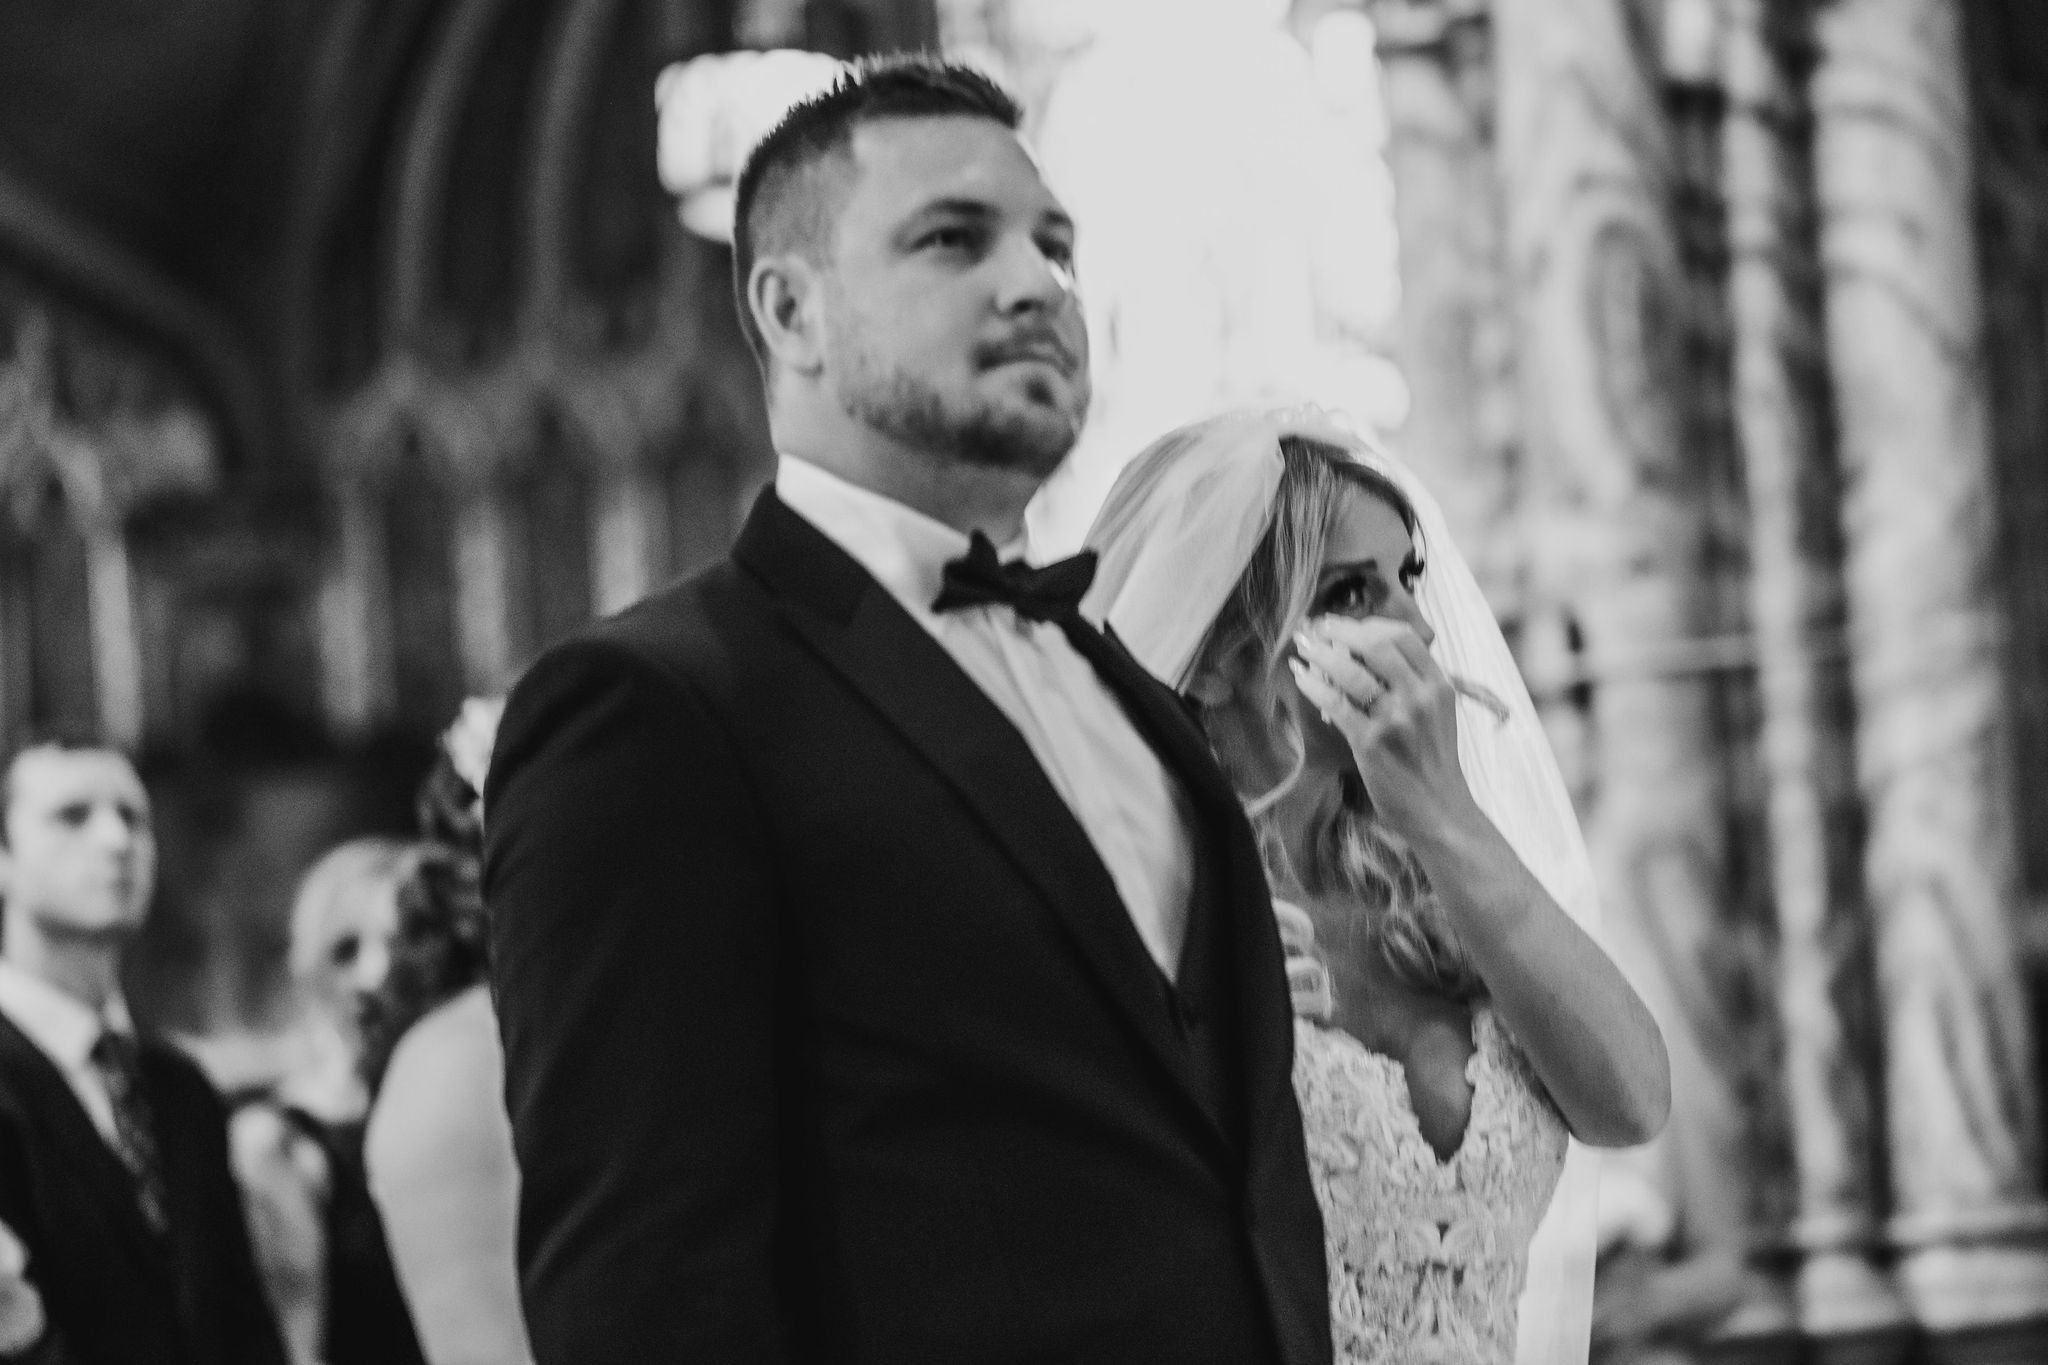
x=1905, y=332
x=555, y=442
x=90, y=436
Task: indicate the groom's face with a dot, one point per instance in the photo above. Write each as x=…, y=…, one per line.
x=952, y=322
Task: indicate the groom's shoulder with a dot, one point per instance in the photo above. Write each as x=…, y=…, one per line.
x=695, y=631
x=686, y=616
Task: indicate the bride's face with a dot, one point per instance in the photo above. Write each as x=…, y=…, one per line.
x=1370, y=568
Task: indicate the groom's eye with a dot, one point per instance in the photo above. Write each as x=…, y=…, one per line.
x=950, y=238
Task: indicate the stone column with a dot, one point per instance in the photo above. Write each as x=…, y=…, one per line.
x=626, y=536
x=116, y=657
x=1826, y=990
x=95, y=509
x=355, y=610
x=13, y=692
x=483, y=574
x=1455, y=332
x=1619, y=505
x=1894, y=160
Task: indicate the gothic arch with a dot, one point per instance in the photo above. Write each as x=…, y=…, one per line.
x=364, y=73
x=457, y=268
x=87, y=267
x=572, y=88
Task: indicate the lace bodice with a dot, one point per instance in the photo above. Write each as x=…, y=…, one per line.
x=1427, y=1257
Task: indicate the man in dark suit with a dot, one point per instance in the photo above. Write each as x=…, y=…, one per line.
x=886, y=972
x=113, y=1147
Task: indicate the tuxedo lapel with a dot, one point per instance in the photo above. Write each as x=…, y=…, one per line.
x=77, y=1143
x=1265, y=1030
x=861, y=633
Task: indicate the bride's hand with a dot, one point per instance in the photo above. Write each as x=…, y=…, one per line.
x=1308, y=979
x=1375, y=681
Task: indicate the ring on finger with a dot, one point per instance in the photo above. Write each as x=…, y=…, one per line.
x=1380, y=688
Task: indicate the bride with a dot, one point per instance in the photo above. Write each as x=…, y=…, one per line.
x=1297, y=585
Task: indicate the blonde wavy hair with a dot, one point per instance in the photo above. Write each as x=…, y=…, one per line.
x=1352, y=854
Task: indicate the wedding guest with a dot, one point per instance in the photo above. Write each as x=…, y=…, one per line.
x=440, y=1147
x=343, y=921
x=298, y=1147
x=114, y=1169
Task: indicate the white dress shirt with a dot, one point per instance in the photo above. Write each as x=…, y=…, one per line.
x=1132, y=809
x=65, y=1030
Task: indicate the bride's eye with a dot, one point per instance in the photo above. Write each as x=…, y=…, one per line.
x=1353, y=594
x=1411, y=572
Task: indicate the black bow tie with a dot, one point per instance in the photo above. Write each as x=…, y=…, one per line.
x=979, y=578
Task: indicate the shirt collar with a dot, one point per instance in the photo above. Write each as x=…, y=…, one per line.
x=905, y=550
x=62, y=1026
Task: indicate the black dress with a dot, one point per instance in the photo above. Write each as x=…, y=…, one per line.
x=368, y=1322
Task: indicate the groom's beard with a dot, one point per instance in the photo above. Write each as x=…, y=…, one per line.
x=1031, y=437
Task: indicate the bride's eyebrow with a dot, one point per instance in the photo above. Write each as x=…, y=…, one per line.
x=1352, y=566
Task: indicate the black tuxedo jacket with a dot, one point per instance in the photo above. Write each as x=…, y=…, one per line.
x=828, y=1037
x=116, y=1293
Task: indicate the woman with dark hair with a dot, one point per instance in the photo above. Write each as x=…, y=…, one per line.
x=439, y=1148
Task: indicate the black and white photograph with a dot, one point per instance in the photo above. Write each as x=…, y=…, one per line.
x=1023, y=682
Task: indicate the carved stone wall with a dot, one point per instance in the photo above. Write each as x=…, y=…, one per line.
x=1455, y=331
x=1935, y=758
x=2009, y=97
x=96, y=435
x=1783, y=412
x=1622, y=500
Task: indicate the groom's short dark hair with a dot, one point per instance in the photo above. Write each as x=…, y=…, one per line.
x=780, y=204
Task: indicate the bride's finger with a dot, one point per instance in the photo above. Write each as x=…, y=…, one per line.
x=1309, y=988
x=1389, y=647
x=1350, y=674
x=1335, y=706
x=1297, y=930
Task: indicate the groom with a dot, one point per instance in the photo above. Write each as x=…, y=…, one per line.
x=886, y=973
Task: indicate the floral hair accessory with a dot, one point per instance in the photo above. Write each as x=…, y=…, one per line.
x=469, y=740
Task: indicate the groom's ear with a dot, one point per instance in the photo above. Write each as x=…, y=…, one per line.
x=787, y=296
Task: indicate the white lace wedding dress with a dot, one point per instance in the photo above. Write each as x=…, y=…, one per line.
x=1427, y=1257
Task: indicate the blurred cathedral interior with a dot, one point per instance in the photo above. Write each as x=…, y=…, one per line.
x=350, y=353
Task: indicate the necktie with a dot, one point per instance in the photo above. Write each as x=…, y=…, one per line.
x=119, y=1063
